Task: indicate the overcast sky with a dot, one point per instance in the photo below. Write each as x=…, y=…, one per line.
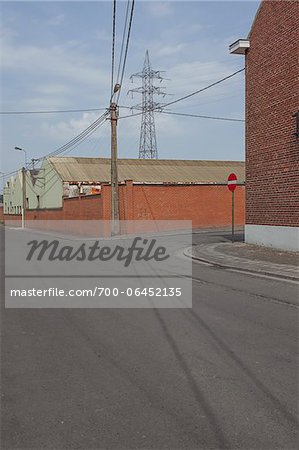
x=57, y=55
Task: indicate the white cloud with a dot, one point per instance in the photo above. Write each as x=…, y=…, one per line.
x=7, y=33
x=168, y=50
x=53, y=89
x=66, y=61
x=160, y=9
x=57, y=20
x=103, y=35
x=191, y=76
x=187, y=77
x=63, y=131
x=165, y=126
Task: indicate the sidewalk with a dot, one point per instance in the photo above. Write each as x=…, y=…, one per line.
x=248, y=258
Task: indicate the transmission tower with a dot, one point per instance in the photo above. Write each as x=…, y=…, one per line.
x=148, y=141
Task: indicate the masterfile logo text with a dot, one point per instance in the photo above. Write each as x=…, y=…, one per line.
x=140, y=250
x=77, y=264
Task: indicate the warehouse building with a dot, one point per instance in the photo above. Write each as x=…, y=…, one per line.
x=272, y=125
x=79, y=188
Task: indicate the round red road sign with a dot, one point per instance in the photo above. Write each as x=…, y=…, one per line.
x=232, y=181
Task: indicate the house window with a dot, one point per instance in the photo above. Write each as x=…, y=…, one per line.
x=27, y=203
x=38, y=204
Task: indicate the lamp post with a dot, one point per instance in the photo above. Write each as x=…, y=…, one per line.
x=23, y=185
x=2, y=181
x=25, y=153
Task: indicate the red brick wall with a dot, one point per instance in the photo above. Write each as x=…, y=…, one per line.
x=87, y=208
x=84, y=208
x=76, y=209
x=272, y=97
x=206, y=206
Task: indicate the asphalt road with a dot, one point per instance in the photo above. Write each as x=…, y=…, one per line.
x=222, y=375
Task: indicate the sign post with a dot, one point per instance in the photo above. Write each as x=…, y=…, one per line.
x=232, y=184
x=23, y=196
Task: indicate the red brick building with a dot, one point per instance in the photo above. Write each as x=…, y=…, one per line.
x=272, y=125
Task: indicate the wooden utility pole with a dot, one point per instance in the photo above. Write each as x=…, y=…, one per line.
x=114, y=173
x=23, y=196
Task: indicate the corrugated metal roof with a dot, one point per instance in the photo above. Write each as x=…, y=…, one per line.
x=147, y=170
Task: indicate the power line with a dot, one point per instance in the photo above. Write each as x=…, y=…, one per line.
x=66, y=150
x=73, y=143
x=205, y=88
x=203, y=117
x=57, y=111
x=80, y=136
x=54, y=111
x=187, y=115
x=123, y=41
x=8, y=174
x=126, y=48
x=190, y=95
x=53, y=170
x=159, y=108
x=61, y=149
x=82, y=139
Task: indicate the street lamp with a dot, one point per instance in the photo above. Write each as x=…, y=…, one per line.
x=2, y=180
x=23, y=185
x=25, y=153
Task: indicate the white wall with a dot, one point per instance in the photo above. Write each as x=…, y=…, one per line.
x=48, y=187
x=281, y=238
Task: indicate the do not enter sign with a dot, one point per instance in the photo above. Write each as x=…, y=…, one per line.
x=232, y=182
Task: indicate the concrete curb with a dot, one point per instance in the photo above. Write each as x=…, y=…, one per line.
x=151, y=234
x=188, y=253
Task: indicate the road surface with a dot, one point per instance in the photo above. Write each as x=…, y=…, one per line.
x=222, y=375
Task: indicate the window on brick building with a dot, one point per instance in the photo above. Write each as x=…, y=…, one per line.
x=296, y=115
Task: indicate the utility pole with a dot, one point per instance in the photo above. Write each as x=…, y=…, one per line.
x=114, y=172
x=23, y=195
x=148, y=140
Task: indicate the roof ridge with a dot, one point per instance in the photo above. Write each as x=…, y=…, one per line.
x=147, y=161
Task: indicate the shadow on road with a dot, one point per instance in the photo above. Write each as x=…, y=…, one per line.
x=193, y=316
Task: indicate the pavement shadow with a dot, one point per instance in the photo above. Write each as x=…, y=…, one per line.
x=193, y=316
x=198, y=395
x=216, y=236
x=201, y=400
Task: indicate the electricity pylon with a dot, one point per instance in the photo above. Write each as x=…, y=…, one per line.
x=148, y=140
